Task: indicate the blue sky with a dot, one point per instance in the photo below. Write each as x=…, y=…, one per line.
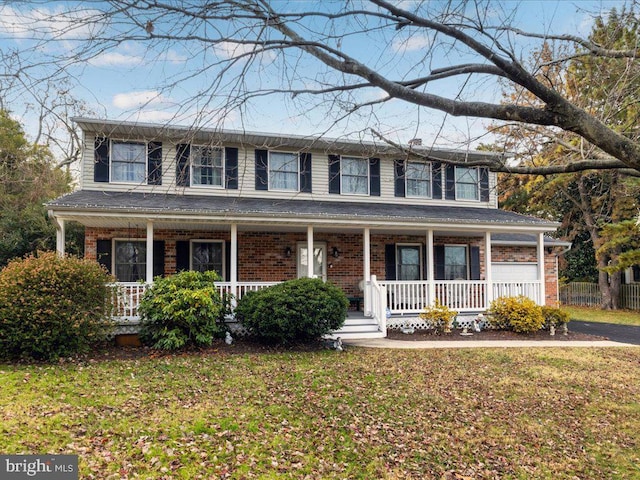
x=125, y=82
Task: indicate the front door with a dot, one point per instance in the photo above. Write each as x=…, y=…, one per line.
x=319, y=260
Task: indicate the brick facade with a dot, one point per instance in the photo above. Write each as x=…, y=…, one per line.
x=262, y=256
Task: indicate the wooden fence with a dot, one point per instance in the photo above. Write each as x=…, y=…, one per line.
x=588, y=295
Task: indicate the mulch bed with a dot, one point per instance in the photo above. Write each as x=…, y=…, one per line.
x=430, y=335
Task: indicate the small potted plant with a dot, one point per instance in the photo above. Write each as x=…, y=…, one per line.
x=440, y=316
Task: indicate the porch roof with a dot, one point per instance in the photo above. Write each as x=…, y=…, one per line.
x=84, y=205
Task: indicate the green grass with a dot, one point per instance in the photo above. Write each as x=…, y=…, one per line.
x=360, y=414
x=587, y=314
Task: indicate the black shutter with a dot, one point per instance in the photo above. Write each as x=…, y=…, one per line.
x=101, y=160
x=436, y=179
x=154, y=160
x=484, y=184
x=425, y=263
x=182, y=255
x=305, y=172
x=231, y=168
x=227, y=261
x=374, y=177
x=334, y=174
x=158, y=258
x=474, y=262
x=262, y=170
x=450, y=185
x=438, y=261
x=390, y=261
x=399, y=178
x=103, y=252
x=183, y=151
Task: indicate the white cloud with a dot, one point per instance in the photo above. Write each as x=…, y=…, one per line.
x=410, y=44
x=153, y=116
x=41, y=23
x=143, y=98
x=172, y=56
x=111, y=59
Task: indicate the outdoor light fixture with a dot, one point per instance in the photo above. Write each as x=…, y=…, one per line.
x=335, y=252
x=287, y=252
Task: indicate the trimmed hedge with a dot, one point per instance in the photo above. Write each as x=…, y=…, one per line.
x=296, y=311
x=182, y=310
x=52, y=307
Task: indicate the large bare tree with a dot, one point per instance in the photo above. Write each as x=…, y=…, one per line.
x=343, y=56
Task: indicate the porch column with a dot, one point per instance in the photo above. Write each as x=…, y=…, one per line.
x=149, y=275
x=542, y=299
x=233, y=270
x=488, y=274
x=60, y=237
x=310, y=251
x=366, y=256
x=431, y=284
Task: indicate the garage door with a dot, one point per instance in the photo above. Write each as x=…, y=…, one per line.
x=514, y=272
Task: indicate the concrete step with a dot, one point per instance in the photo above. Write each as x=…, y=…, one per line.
x=354, y=335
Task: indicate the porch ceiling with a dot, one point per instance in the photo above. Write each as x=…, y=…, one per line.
x=129, y=209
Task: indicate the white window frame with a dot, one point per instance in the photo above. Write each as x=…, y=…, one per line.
x=221, y=242
x=114, y=253
x=466, y=253
x=302, y=269
x=477, y=198
x=146, y=161
x=368, y=182
x=420, y=259
x=296, y=156
x=192, y=167
x=429, y=180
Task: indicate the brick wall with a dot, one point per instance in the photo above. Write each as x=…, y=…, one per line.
x=262, y=255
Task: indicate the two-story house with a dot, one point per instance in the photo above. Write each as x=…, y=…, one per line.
x=393, y=231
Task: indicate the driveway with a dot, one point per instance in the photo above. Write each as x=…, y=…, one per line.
x=616, y=333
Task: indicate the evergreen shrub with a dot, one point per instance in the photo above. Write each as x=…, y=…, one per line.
x=53, y=306
x=520, y=314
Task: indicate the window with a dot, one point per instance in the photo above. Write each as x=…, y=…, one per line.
x=130, y=260
x=128, y=162
x=355, y=175
x=408, y=262
x=467, y=183
x=207, y=167
x=455, y=262
x=283, y=171
x=207, y=255
x=418, y=178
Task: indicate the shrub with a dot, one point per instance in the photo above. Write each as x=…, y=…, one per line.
x=520, y=314
x=440, y=316
x=52, y=306
x=182, y=310
x=295, y=311
x=555, y=316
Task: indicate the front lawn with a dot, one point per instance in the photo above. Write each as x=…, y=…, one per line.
x=589, y=314
x=362, y=413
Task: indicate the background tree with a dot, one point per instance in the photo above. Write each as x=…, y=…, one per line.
x=28, y=178
x=246, y=49
x=588, y=201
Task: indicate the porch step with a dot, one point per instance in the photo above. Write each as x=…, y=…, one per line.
x=357, y=328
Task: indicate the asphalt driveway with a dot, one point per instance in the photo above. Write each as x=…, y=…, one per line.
x=616, y=333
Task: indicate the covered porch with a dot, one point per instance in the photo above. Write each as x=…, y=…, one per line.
x=396, y=262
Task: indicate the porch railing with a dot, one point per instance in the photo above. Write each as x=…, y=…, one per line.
x=377, y=294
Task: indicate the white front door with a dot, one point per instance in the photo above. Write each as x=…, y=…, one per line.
x=319, y=260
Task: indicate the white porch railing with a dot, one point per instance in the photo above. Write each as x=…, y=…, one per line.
x=410, y=297
x=377, y=294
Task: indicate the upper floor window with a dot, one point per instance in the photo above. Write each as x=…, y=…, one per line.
x=207, y=166
x=128, y=162
x=467, y=183
x=418, y=179
x=283, y=171
x=355, y=175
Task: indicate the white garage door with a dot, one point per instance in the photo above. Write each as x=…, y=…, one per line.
x=514, y=272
